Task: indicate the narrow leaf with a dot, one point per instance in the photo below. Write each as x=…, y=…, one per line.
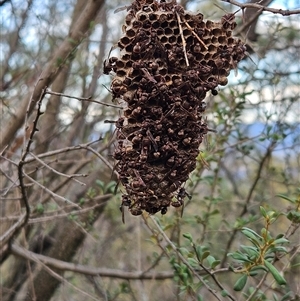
x=240, y=284
x=275, y=273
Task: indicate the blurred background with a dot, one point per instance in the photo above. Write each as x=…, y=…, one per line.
x=52, y=55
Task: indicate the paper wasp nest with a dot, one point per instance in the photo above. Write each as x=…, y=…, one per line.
x=170, y=58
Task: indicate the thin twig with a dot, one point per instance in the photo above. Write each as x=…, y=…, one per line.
x=264, y=8
x=71, y=177
x=8, y=235
x=101, y=158
x=64, y=150
x=212, y=275
x=54, y=195
x=182, y=38
x=36, y=258
x=84, y=99
x=88, y=270
x=193, y=32
x=161, y=231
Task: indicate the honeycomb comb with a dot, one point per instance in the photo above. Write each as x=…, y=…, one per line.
x=170, y=58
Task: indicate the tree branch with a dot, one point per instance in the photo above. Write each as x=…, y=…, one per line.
x=88, y=270
x=264, y=8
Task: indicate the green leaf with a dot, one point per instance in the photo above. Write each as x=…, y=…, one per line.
x=100, y=184
x=240, y=284
x=294, y=216
x=205, y=255
x=263, y=211
x=278, y=249
x=184, y=251
x=253, y=273
x=110, y=187
x=239, y=256
x=259, y=267
x=275, y=273
x=212, y=261
x=280, y=241
x=40, y=208
x=250, y=250
x=224, y=293
x=252, y=235
x=287, y=296
x=286, y=198
x=188, y=236
x=193, y=262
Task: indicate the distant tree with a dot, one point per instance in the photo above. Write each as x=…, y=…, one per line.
x=62, y=235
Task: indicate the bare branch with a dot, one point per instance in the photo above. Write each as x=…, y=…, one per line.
x=89, y=270
x=84, y=99
x=54, y=195
x=264, y=8
x=71, y=177
x=8, y=235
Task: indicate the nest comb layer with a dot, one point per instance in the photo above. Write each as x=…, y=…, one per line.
x=170, y=58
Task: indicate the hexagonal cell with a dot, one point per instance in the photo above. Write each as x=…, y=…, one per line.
x=217, y=32
x=129, y=18
x=163, y=17
x=123, y=42
x=186, y=33
x=153, y=17
x=167, y=45
x=172, y=39
x=142, y=16
x=131, y=32
x=129, y=48
x=212, y=48
x=209, y=24
x=163, y=39
x=155, y=25
x=173, y=24
x=121, y=72
x=168, y=31
x=160, y=31
x=222, y=39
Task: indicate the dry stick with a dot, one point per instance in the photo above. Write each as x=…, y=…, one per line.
x=12, y=230
x=55, y=215
x=184, y=260
x=182, y=38
x=193, y=32
x=64, y=150
x=72, y=177
x=8, y=235
x=13, y=182
x=36, y=258
x=264, y=8
x=83, y=99
x=257, y=287
x=54, y=195
x=88, y=270
x=249, y=22
x=102, y=159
